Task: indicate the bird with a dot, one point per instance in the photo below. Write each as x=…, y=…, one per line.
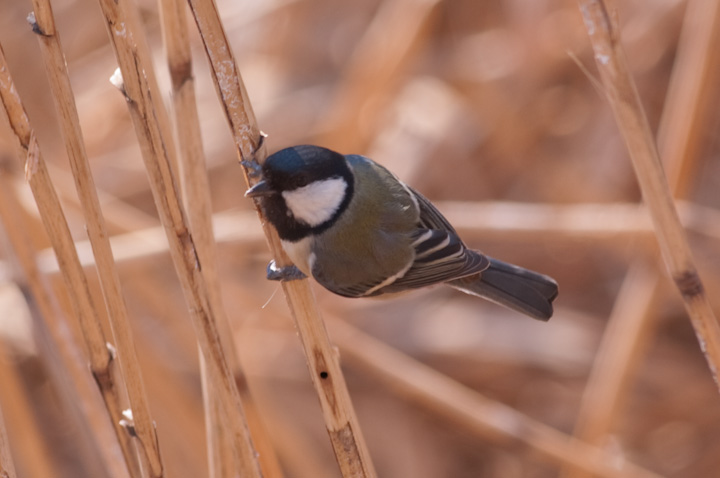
x=359, y=231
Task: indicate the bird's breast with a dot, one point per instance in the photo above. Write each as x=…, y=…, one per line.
x=300, y=253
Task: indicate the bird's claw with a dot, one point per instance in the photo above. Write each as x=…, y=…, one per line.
x=284, y=274
x=254, y=170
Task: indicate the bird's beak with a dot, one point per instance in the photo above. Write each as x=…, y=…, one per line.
x=260, y=189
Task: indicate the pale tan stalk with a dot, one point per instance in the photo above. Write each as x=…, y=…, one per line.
x=101, y=357
x=623, y=342
x=30, y=445
x=153, y=130
x=197, y=200
x=692, y=94
x=118, y=214
x=340, y=420
x=469, y=410
x=633, y=124
x=54, y=60
x=7, y=467
x=372, y=71
x=613, y=224
x=680, y=133
x=64, y=357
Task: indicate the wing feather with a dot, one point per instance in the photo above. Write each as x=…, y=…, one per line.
x=440, y=255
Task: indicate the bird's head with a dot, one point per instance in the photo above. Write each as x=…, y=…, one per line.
x=306, y=185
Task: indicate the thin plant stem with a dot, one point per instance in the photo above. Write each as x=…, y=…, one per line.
x=634, y=126
x=54, y=60
x=33, y=452
x=680, y=133
x=612, y=224
x=153, y=130
x=100, y=355
x=468, y=409
x=372, y=71
x=7, y=467
x=62, y=353
x=196, y=198
x=327, y=377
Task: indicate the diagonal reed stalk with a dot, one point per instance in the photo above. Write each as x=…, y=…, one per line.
x=372, y=71
x=340, y=419
x=468, y=409
x=611, y=224
x=31, y=445
x=59, y=348
x=100, y=355
x=196, y=198
x=152, y=127
x=7, y=467
x=633, y=124
x=54, y=61
x=680, y=135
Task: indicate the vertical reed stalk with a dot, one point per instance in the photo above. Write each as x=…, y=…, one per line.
x=680, y=133
x=372, y=72
x=197, y=200
x=469, y=410
x=66, y=361
x=100, y=355
x=340, y=420
x=54, y=60
x=633, y=124
x=7, y=467
x=153, y=130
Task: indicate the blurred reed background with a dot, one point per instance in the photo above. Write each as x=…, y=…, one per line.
x=494, y=110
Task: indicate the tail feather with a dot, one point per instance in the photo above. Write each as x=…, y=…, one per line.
x=519, y=289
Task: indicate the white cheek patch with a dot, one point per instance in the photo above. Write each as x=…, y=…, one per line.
x=317, y=202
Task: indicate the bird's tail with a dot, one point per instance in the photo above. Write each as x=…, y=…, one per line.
x=519, y=289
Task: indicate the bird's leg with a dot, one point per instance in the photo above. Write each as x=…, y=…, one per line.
x=286, y=273
x=254, y=170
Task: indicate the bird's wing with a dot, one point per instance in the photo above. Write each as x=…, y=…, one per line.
x=430, y=217
x=440, y=255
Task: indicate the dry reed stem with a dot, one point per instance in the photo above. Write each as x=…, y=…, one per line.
x=368, y=77
x=680, y=131
x=153, y=131
x=692, y=94
x=653, y=184
x=7, y=467
x=622, y=346
x=300, y=455
x=614, y=223
x=197, y=200
x=468, y=409
x=54, y=60
x=340, y=419
x=101, y=358
x=118, y=214
x=63, y=356
x=30, y=445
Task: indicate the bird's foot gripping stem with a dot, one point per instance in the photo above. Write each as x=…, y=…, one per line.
x=284, y=274
x=254, y=170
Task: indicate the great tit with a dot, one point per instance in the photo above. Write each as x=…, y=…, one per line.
x=360, y=232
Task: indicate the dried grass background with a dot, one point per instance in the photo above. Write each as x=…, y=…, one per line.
x=491, y=109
